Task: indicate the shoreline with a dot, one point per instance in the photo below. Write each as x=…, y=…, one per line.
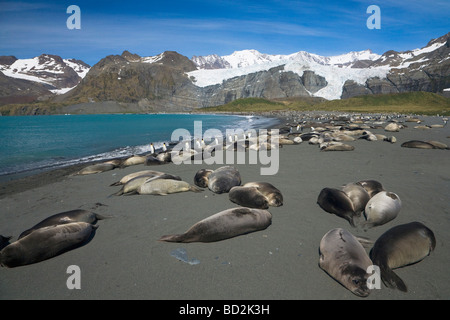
x=124, y=260
x=72, y=168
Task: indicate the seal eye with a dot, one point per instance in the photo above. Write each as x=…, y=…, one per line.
x=355, y=281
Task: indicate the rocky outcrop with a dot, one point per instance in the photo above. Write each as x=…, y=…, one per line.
x=416, y=70
x=160, y=84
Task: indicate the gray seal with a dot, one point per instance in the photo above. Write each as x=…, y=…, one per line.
x=77, y=215
x=223, y=179
x=345, y=260
x=46, y=243
x=224, y=225
x=382, y=208
x=337, y=202
x=400, y=246
x=201, y=177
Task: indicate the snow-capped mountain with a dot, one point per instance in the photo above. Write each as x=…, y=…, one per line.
x=246, y=58
x=172, y=82
x=353, y=69
x=57, y=74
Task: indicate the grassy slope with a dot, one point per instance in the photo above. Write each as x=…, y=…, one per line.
x=410, y=102
x=405, y=103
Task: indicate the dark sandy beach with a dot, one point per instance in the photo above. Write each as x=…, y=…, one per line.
x=125, y=260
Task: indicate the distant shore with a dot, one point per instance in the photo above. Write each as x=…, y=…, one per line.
x=124, y=260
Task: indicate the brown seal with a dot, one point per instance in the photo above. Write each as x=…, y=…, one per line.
x=46, y=243
x=400, y=246
x=224, y=225
x=345, y=260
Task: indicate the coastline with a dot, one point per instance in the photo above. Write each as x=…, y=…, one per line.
x=124, y=260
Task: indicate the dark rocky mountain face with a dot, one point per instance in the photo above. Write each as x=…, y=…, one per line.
x=416, y=70
x=159, y=83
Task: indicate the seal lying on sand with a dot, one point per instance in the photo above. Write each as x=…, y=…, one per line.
x=220, y=180
x=337, y=202
x=223, y=225
x=417, y=144
x=201, y=177
x=46, y=243
x=345, y=260
x=131, y=186
x=133, y=160
x=256, y=195
x=165, y=186
x=371, y=186
x=382, y=208
x=358, y=195
x=77, y=215
x=248, y=197
x=400, y=246
x=96, y=168
x=133, y=175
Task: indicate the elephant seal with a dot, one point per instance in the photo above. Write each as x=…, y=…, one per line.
x=272, y=194
x=248, y=197
x=151, y=160
x=131, y=186
x=77, y=215
x=46, y=243
x=165, y=186
x=133, y=160
x=133, y=175
x=358, y=195
x=338, y=147
x=417, y=144
x=96, y=168
x=438, y=144
x=371, y=186
x=400, y=246
x=382, y=208
x=345, y=260
x=337, y=202
x=223, y=179
x=201, y=178
x=224, y=225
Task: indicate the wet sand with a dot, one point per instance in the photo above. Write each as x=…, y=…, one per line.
x=125, y=260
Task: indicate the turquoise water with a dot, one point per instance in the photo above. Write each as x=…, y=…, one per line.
x=30, y=143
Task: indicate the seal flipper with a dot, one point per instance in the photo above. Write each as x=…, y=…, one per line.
x=173, y=238
x=195, y=189
x=392, y=280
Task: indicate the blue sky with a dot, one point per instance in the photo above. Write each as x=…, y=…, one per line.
x=200, y=27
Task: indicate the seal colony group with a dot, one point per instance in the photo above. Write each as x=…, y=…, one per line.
x=364, y=204
x=342, y=255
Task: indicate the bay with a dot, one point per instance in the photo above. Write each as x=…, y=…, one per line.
x=30, y=143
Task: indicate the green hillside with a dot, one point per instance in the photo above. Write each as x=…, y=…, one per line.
x=405, y=103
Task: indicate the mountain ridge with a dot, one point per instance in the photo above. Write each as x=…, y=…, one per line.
x=172, y=82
